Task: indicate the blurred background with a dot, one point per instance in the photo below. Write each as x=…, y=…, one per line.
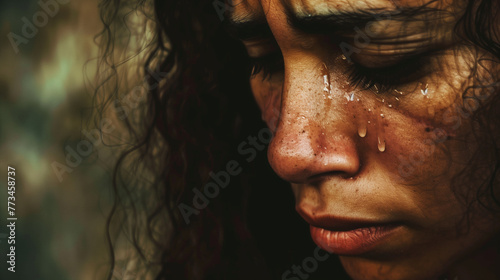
x=47, y=57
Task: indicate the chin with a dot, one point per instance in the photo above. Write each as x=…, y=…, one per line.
x=365, y=269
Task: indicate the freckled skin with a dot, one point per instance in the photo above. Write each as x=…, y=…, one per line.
x=318, y=149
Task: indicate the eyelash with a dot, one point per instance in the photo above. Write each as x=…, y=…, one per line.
x=267, y=65
x=383, y=79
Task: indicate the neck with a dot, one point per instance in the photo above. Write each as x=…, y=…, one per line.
x=483, y=264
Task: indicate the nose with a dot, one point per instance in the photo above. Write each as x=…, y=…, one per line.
x=316, y=133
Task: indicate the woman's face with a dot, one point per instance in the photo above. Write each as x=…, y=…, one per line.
x=371, y=128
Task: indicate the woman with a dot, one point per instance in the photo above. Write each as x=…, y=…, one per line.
x=383, y=117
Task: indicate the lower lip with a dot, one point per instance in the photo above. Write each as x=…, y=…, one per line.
x=353, y=242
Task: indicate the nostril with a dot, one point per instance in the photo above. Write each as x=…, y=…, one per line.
x=301, y=157
x=317, y=178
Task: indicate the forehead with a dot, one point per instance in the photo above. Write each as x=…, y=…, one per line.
x=252, y=9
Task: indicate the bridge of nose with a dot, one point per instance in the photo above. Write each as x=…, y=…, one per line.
x=314, y=102
x=314, y=134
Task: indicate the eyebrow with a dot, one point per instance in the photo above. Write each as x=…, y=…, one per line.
x=248, y=29
x=333, y=22
x=340, y=21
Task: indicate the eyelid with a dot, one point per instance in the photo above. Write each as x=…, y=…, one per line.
x=268, y=64
x=422, y=55
x=377, y=52
x=385, y=78
x=260, y=47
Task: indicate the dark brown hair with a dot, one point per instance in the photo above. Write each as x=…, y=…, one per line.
x=197, y=108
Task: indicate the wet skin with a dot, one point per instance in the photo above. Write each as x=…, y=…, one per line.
x=385, y=153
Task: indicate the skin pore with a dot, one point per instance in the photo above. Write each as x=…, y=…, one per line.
x=362, y=98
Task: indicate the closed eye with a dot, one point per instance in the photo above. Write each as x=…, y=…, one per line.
x=385, y=79
x=267, y=65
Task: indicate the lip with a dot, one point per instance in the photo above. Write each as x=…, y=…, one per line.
x=348, y=236
x=352, y=242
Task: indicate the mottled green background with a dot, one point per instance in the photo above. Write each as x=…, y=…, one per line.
x=45, y=101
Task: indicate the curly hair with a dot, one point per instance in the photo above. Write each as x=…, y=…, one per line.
x=191, y=111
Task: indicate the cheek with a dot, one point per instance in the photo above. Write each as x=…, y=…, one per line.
x=416, y=151
x=406, y=147
x=423, y=158
x=424, y=136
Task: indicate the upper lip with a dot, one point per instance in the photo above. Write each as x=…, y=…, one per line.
x=335, y=223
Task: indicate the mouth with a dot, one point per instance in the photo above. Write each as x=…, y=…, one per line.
x=352, y=242
x=346, y=236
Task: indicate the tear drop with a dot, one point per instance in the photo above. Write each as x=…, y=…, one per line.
x=362, y=130
x=326, y=83
x=424, y=89
x=425, y=92
x=381, y=144
x=326, y=78
x=380, y=130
